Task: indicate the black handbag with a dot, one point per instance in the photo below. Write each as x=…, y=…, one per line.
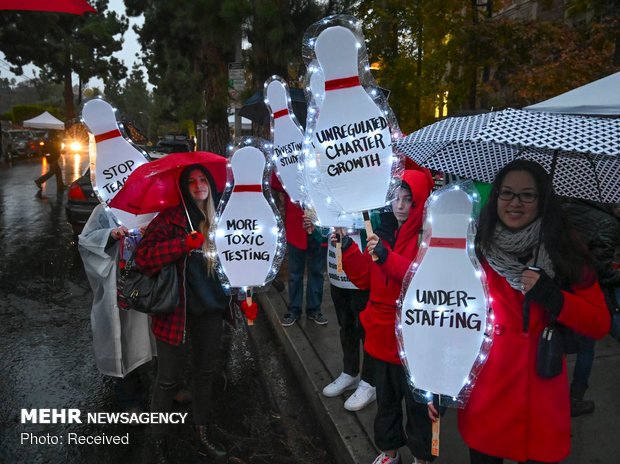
x=151, y=295
x=550, y=352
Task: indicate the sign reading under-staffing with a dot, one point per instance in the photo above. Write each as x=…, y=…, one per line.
x=444, y=309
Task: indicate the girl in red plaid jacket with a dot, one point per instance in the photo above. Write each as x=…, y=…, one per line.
x=198, y=317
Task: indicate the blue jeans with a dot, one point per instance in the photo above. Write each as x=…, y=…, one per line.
x=615, y=321
x=315, y=257
x=583, y=364
x=615, y=326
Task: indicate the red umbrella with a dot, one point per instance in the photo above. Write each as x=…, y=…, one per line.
x=77, y=7
x=153, y=186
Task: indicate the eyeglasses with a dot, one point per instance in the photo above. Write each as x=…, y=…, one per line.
x=524, y=197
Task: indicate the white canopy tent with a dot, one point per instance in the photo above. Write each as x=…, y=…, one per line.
x=44, y=121
x=600, y=98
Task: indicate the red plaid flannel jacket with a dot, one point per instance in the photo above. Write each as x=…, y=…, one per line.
x=164, y=243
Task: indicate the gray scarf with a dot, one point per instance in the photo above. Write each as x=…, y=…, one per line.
x=508, y=249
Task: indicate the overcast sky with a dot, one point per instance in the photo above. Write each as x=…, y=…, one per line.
x=126, y=55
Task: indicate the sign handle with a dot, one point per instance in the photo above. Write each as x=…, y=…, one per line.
x=248, y=300
x=339, y=268
x=368, y=227
x=435, y=439
x=307, y=213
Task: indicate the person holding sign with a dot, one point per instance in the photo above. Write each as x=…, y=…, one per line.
x=171, y=238
x=516, y=410
x=306, y=248
x=395, y=244
x=349, y=301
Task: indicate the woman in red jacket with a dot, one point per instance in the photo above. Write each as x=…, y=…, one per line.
x=202, y=304
x=396, y=245
x=513, y=412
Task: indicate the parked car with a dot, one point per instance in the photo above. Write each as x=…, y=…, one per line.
x=81, y=201
x=171, y=143
x=21, y=143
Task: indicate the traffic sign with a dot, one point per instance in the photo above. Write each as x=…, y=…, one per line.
x=236, y=76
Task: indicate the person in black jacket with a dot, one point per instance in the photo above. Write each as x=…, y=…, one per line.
x=54, y=166
x=600, y=229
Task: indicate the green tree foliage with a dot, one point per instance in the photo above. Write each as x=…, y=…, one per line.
x=31, y=91
x=605, y=13
x=275, y=30
x=407, y=45
x=498, y=63
x=188, y=45
x=423, y=50
x=533, y=61
x=134, y=103
x=62, y=44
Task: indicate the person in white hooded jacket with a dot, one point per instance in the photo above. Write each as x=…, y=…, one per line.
x=122, y=339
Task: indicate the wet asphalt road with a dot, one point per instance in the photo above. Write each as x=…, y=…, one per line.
x=46, y=358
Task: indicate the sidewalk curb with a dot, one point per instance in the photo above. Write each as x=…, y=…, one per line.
x=346, y=438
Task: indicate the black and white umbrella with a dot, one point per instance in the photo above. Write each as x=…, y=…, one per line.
x=583, y=153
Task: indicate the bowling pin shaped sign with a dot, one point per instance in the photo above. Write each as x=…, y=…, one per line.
x=442, y=326
x=351, y=134
x=315, y=194
x=249, y=234
x=112, y=159
x=285, y=133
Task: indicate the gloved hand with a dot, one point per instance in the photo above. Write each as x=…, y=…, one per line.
x=380, y=252
x=547, y=293
x=345, y=242
x=250, y=311
x=194, y=240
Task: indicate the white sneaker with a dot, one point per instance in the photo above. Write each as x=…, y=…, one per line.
x=342, y=383
x=385, y=459
x=362, y=397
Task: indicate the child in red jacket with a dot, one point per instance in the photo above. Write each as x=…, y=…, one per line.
x=395, y=244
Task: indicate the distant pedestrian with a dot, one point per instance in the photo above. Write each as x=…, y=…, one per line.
x=54, y=163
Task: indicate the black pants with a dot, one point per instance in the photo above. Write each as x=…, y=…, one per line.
x=54, y=170
x=476, y=457
x=348, y=304
x=131, y=391
x=392, y=387
x=205, y=334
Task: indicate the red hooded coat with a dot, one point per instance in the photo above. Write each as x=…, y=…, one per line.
x=385, y=280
